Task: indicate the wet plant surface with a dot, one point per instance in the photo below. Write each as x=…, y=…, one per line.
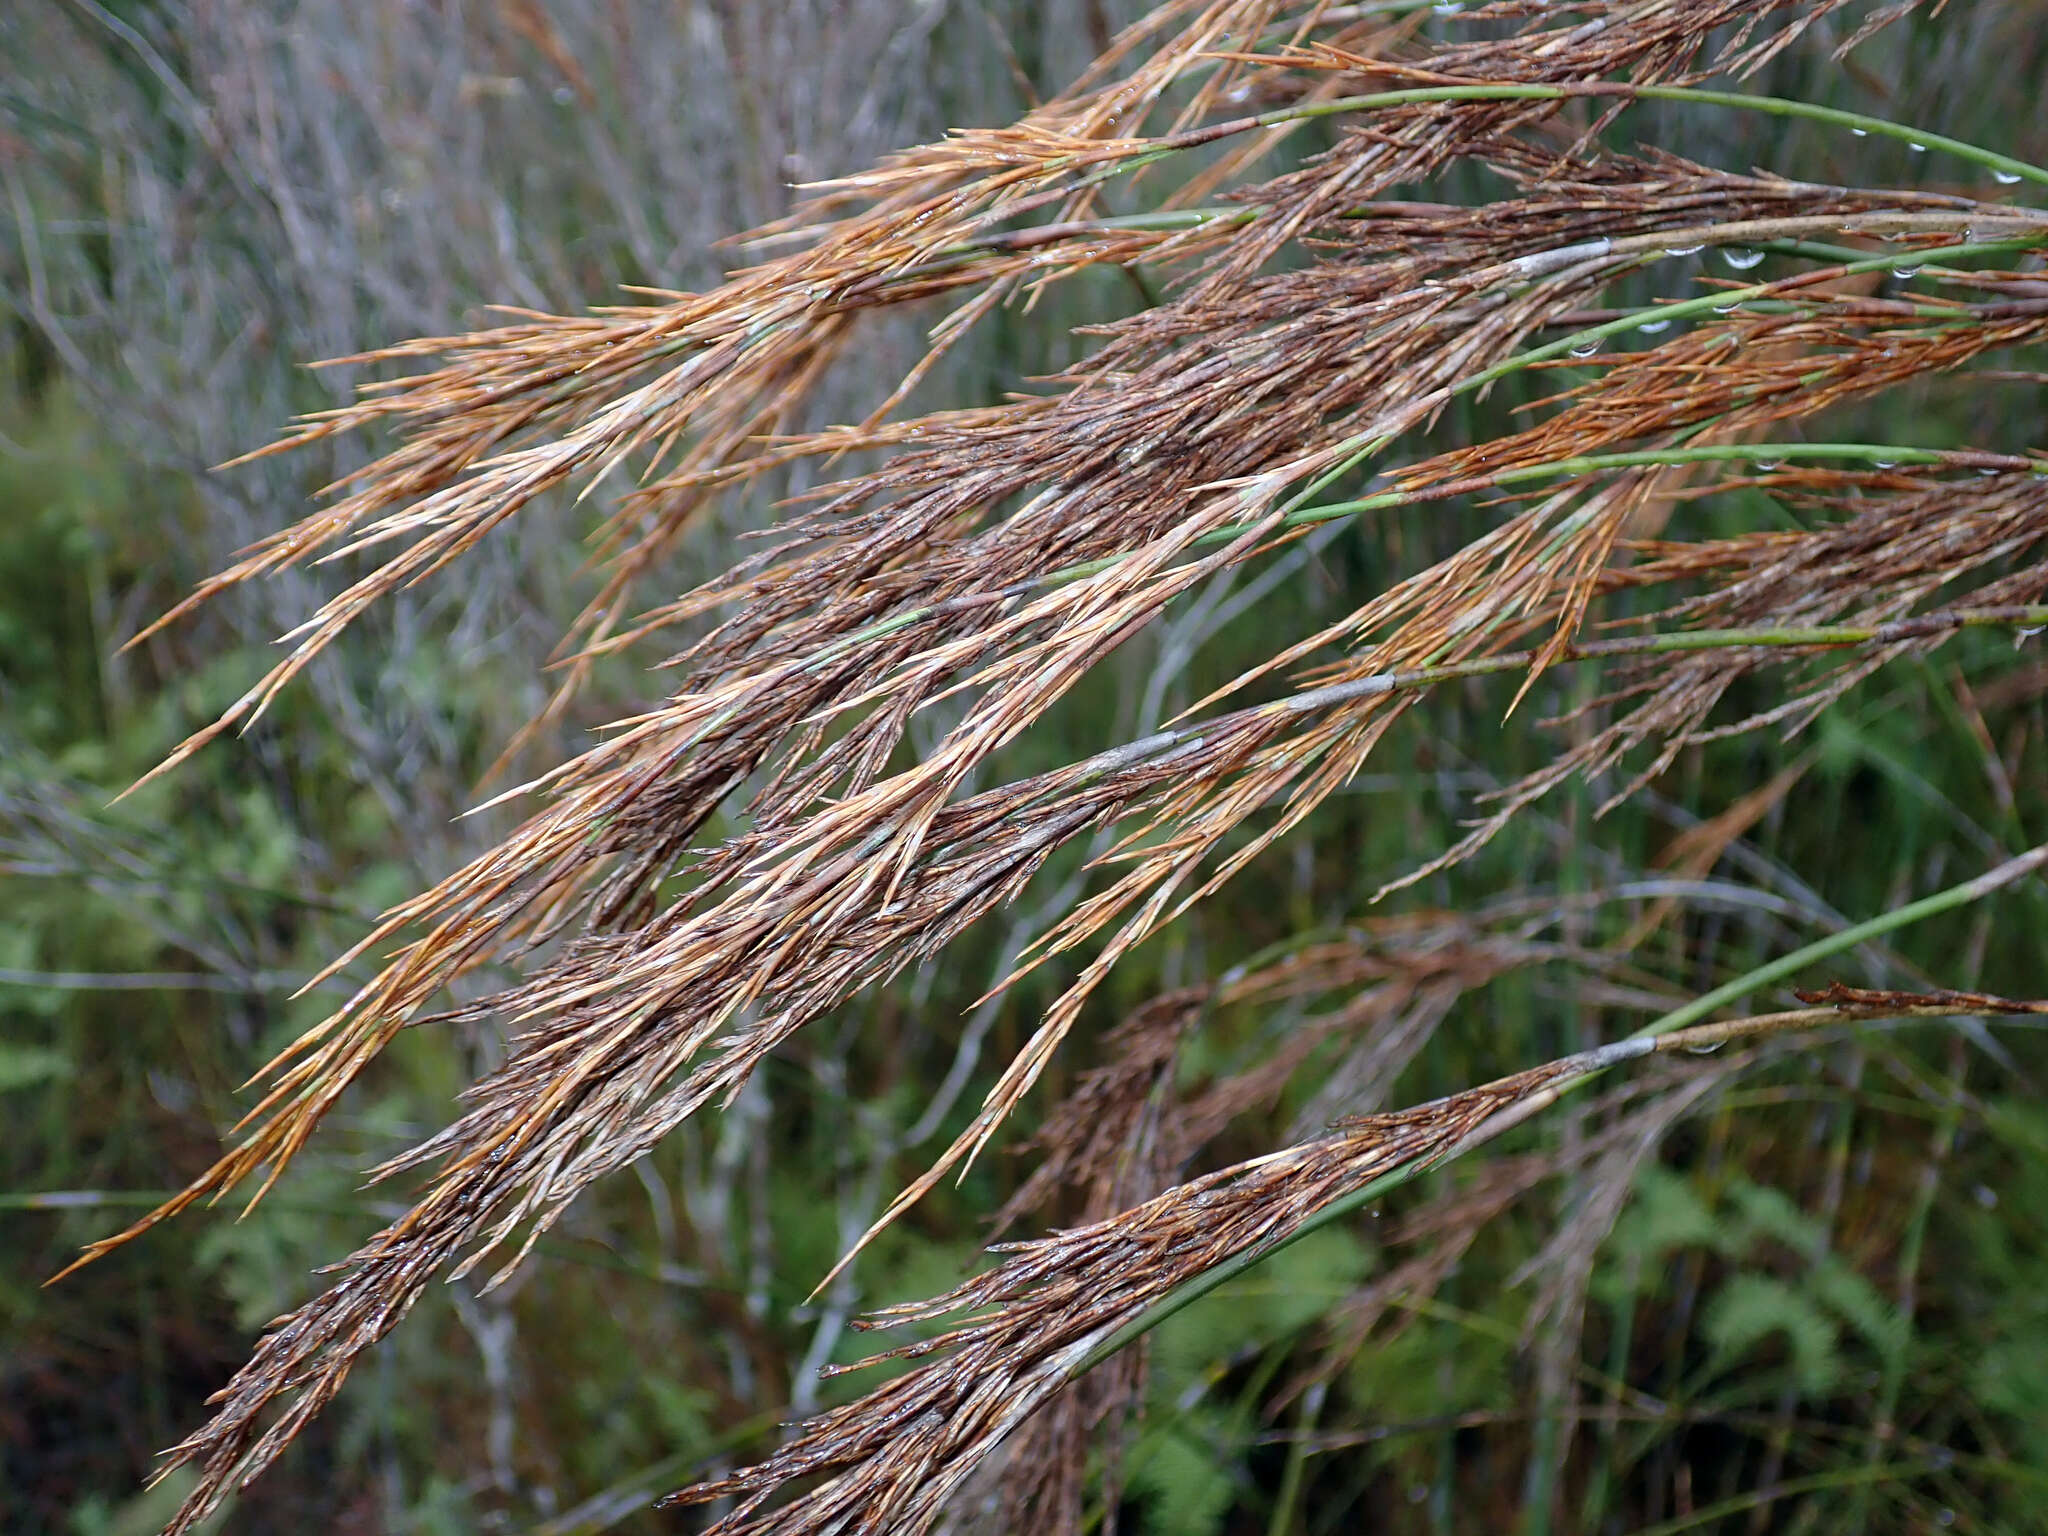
x=1371, y=686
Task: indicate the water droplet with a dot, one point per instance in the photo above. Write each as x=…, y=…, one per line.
x=1740, y=259
x=1684, y=250
x=1946, y=1517
x=1861, y=133
x=1986, y=474
x=1586, y=349
x=1652, y=327
x=1705, y=1048
x=1767, y=465
x=1986, y=1196
x=2005, y=178
x=1906, y=274
x=1728, y=308
x=564, y=96
x=1886, y=463
x=1916, y=146
x=1417, y=1492
x=1448, y=7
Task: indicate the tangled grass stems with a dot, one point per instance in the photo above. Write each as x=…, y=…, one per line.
x=735, y=861
x=1680, y=1024
x=1054, y=1308
x=1770, y=106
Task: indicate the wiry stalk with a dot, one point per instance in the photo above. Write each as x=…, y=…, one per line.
x=993, y=557
x=1054, y=1307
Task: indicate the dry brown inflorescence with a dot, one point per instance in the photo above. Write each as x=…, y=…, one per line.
x=992, y=557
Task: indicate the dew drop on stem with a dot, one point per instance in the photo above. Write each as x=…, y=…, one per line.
x=1684, y=250
x=1652, y=327
x=2005, y=178
x=1740, y=259
x=1585, y=349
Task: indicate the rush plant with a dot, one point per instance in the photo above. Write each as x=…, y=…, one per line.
x=1347, y=237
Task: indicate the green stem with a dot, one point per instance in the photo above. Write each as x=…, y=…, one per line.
x=1871, y=928
x=1722, y=301
x=590, y=1254
x=1763, y=454
x=1910, y=1249
x=1955, y=896
x=1770, y=106
x=1288, y=1498
x=1296, y=511
x=1819, y=1482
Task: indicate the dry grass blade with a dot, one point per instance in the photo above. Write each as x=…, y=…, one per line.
x=899, y=1453
x=891, y=1460
x=995, y=557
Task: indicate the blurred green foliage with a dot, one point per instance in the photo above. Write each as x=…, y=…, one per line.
x=1840, y=1272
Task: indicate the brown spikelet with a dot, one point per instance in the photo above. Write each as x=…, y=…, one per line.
x=891, y=1460
x=971, y=567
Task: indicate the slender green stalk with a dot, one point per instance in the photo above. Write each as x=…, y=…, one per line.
x=1910, y=1249
x=1819, y=1482
x=1670, y=1024
x=635, y=1493
x=1286, y=1501
x=1771, y=106
x=1763, y=455
x=590, y=1255
x=1727, y=299
x=1298, y=512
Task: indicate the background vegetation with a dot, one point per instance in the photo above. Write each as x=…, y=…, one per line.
x=1793, y=1288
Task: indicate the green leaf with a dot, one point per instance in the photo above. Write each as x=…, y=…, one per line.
x=1857, y=1302
x=1666, y=1214
x=1186, y=1492
x=1750, y=1308
x=24, y=1066
x=1289, y=1291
